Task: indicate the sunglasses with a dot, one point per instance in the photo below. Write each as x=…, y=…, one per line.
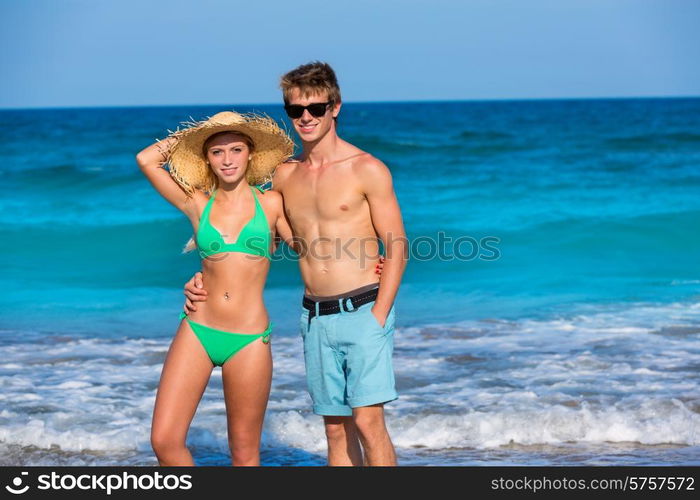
x=317, y=109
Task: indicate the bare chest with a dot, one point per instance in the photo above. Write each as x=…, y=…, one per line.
x=323, y=195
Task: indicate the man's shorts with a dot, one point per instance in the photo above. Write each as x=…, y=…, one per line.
x=348, y=360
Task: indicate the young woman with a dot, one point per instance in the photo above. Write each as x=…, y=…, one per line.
x=213, y=168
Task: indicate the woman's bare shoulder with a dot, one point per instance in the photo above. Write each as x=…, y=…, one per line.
x=271, y=197
x=272, y=202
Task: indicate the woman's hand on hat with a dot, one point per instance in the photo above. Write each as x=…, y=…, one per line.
x=165, y=147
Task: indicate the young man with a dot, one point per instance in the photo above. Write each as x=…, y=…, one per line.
x=338, y=200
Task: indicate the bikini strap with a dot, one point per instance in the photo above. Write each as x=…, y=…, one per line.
x=207, y=207
x=257, y=202
x=266, y=334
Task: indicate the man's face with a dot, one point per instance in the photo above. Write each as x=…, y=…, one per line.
x=311, y=128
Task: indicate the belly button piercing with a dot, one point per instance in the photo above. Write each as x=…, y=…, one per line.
x=226, y=297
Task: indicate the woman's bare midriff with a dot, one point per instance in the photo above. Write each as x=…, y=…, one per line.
x=234, y=283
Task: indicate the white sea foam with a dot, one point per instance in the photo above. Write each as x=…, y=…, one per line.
x=657, y=422
x=650, y=423
x=684, y=282
x=605, y=376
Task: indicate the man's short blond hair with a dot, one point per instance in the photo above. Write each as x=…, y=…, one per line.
x=312, y=78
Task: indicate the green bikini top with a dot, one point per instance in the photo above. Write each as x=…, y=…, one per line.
x=254, y=238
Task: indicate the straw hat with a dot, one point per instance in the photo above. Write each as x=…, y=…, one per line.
x=188, y=165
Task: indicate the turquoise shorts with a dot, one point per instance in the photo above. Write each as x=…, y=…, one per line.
x=348, y=360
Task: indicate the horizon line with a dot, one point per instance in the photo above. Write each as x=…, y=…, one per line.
x=425, y=101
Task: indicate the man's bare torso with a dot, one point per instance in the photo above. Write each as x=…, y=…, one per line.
x=330, y=217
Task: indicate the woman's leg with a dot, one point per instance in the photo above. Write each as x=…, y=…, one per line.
x=184, y=378
x=247, y=376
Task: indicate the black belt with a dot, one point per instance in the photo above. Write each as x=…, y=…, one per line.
x=335, y=306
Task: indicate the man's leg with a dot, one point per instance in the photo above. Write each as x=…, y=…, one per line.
x=373, y=434
x=370, y=380
x=326, y=383
x=343, y=443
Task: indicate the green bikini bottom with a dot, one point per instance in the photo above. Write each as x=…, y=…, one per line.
x=221, y=345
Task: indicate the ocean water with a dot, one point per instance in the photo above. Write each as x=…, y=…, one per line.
x=550, y=314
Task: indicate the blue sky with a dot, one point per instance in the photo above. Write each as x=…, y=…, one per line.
x=156, y=52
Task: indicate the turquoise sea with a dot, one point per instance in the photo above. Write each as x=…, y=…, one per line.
x=550, y=314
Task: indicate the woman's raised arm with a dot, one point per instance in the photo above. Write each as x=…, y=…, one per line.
x=151, y=161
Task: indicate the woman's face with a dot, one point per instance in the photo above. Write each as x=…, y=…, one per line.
x=228, y=156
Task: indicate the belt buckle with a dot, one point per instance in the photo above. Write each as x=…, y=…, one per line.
x=345, y=306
